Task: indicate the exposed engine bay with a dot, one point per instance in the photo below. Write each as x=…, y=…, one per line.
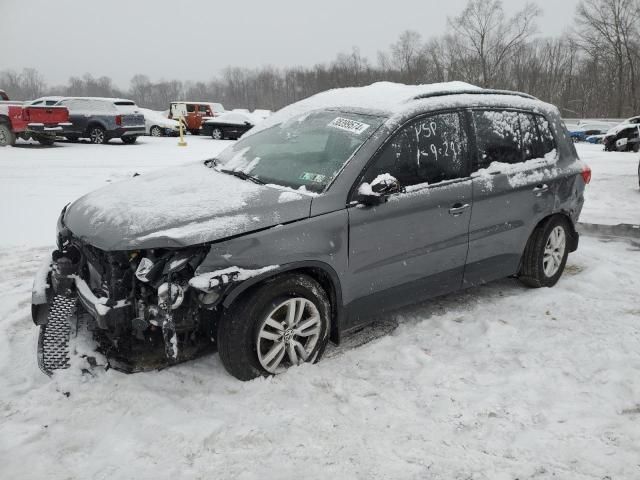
x=145, y=309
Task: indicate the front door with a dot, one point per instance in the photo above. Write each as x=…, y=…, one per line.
x=415, y=245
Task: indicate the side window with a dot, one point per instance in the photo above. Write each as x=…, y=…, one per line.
x=497, y=137
x=532, y=143
x=191, y=108
x=427, y=151
x=548, y=141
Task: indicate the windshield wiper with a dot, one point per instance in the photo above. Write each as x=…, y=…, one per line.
x=243, y=176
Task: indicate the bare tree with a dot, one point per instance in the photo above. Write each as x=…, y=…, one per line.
x=610, y=27
x=489, y=36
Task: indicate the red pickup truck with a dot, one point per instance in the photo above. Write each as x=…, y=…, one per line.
x=41, y=123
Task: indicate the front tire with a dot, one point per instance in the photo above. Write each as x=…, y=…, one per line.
x=155, y=131
x=129, y=140
x=217, y=134
x=546, y=253
x=7, y=137
x=279, y=324
x=97, y=135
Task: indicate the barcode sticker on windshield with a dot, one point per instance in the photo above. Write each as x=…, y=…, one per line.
x=352, y=126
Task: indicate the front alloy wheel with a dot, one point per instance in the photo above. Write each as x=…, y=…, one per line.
x=275, y=325
x=156, y=131
x=288, y=335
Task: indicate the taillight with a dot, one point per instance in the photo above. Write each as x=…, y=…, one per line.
x=586, y=174
x=118, y=119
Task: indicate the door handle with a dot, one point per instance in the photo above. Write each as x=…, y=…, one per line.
x=540, y=189
x=458, y=209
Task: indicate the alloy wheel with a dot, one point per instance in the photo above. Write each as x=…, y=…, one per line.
x=554, y=251
x=97, y=135
x=216, y=134
x=288, y=335
x=155, y=132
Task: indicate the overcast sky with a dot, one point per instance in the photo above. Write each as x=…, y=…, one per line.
x=195, y=39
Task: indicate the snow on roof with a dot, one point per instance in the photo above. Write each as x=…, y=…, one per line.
x=393, y=99
x=106, y=99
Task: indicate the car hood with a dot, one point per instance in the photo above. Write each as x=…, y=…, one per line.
x=179, y=207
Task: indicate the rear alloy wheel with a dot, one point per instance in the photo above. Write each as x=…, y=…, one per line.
x=217, y=134
x=280, y=324
x=546, y=253
x=155, y=131
x=97, y=135
x=7, y=137
x=129, y=140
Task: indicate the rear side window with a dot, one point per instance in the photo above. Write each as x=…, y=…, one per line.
x=497, y=137
x=191, y=108
x=427, y=151
x=546, y=137
x=511, y=137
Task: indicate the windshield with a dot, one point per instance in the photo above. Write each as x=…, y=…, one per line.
x=304, y=153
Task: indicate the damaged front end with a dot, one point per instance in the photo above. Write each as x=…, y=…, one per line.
x=145, y=309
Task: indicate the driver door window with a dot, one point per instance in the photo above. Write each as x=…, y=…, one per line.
x=427, y=151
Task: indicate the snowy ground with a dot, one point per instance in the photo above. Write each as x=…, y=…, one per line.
x=613, y=196
x=499, y=382
x=471, y=386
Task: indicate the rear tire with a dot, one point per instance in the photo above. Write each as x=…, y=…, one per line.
x=7, y=137
x=545, y=255
x=128, y=140
x=248, y=334
x=47, y=141
x=97, y=135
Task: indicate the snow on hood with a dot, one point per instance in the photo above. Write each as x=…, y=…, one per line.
x=178, y=207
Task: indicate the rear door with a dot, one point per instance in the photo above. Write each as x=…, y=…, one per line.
x=514, y=187
x=415, y=245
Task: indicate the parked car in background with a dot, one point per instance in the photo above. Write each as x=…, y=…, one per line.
x=231, y=125
x=101, y=119
x=157, y=125
x=334, y=211
x=595, y=139
x=623, y=138
x=195, y=113
x=19, y=120
x=46, y=101
x=581, y=132
x=4, y=96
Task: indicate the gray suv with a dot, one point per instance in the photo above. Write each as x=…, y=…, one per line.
x=337, y=209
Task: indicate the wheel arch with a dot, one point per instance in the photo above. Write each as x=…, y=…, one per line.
x=95, y=123
x=5, y=119
x=321, y=272
x=574, y=235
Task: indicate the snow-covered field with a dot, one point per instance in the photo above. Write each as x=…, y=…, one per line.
x=498, y=382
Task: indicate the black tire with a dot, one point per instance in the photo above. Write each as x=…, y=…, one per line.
x=47, y=141
x=72, y=138
x=129, y=140
x=155, y=131
x=532, y=272
x=194, y=132
x=217, y=134
x=7, y=137
x=97, y=135
x=238, y=331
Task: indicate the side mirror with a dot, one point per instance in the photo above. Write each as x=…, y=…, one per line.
x=378, y=191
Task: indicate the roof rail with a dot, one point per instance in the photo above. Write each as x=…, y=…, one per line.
x=473, y=92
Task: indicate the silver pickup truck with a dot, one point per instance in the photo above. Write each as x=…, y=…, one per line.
x=101, y=119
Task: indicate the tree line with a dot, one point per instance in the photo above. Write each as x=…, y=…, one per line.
x=590, y=71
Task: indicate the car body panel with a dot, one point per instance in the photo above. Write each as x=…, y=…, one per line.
x=196, y=209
